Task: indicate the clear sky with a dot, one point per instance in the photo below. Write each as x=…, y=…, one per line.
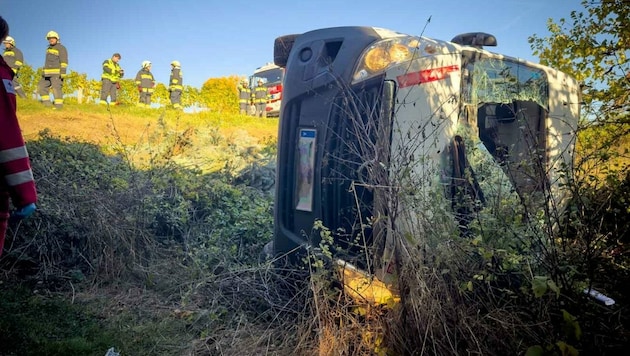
x=214, y=38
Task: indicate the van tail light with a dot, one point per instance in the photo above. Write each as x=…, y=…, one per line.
x=275, y=92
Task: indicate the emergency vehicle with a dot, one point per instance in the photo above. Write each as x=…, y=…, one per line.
x=374, y=126
x=272, y=77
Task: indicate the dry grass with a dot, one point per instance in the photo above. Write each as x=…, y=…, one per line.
x=130, y=125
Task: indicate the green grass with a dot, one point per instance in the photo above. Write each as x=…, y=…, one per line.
x=116, y=255
x=40, y=324
x=33, y=324
x=207, y=140
x=131, y=124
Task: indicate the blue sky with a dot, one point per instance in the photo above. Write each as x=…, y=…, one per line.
x=233, y=37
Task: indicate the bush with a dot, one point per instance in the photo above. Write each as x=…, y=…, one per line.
x=100, y=217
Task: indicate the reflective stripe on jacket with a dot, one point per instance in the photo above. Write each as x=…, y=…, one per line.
x=244, y=94
x=145, y=80
x=14, y=58
x=56, y=61
x=260, y=94
x=111, y=70
x=176, y=80
x=15, y=167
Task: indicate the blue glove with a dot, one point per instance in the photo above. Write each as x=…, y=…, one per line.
x=24, y=212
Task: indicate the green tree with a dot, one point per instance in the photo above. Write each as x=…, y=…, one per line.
x=93, y=90
x=128, y=93
x=28, y=79
x=220, y=95
x=160, y=95
x=76, y=83
x=593, y=46
x=190, y=96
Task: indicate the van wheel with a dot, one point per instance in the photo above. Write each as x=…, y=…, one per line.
x=281, y=49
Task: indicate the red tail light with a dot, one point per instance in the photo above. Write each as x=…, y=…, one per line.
x=275, y=92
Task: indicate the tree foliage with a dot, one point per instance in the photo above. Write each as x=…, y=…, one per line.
x=593, y=46
x=26, y=77
x=219, y=94
x=90, y=89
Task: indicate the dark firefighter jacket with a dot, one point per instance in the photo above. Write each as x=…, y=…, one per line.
x=56, y=61
x=244, y=93
x=14, y=58
x=260, y=94
x=145, y=80
x=176, y=82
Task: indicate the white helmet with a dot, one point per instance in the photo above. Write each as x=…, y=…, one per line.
x=52, y=34
x=10, y=40
x=176, y=64
x=145, y=64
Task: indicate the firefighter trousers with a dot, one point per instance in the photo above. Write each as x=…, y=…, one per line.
x=46, y=84
x=261, y=109
x=108, y=88
x=145, y=98
x=176, y=99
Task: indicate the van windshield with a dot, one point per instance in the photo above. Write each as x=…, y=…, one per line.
x=270, y=76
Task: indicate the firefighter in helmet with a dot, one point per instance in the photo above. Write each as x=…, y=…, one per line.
x=146, y=84
x=55, y=66
x=244, y=96
x=15, y=59
x=260, y=96
x=176, y=85
x=112, y=73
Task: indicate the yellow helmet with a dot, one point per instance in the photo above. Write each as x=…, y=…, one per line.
x=145, y=64
x=52, y=34
x=10, y=40
x=176, y=64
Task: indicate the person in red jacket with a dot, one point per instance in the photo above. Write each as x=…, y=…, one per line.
x=16, y=178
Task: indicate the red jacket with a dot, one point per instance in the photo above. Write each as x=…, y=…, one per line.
x=16, y=177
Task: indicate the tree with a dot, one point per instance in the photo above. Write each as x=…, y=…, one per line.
x=161, y=95
x=128, y=93
x=76, y=82
x=595, y=51
x=190, y=96
x=220, y=95
x=28, y=79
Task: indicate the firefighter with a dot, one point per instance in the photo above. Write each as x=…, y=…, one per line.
x=260, y=96
x=55, y=66
x=175, y=85
x=16, y=178
x=244, y=96
x=15, y=59
x=112, y=73
x=146, y=84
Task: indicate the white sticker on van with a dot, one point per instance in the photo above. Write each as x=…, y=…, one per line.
x=306, y=169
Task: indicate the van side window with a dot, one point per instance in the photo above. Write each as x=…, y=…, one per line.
x=496, y=80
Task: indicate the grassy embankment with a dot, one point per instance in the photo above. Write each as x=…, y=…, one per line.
x=142, y=239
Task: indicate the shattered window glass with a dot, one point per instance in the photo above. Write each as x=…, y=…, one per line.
x=501, y=81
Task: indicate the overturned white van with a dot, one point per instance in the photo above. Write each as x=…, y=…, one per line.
x=374, y=127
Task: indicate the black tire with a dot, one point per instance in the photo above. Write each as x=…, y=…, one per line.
x=281, y=49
